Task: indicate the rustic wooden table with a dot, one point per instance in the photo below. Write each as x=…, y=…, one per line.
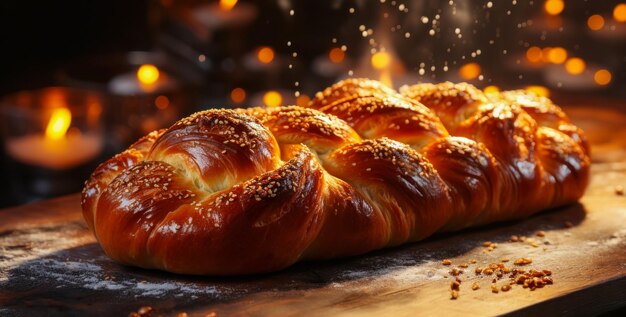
x=51, y=265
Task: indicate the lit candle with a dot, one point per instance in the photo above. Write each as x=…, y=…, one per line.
x=382, y=62
x=148, y=79
x=59, y=147
x=223, y=14
x=331, y=65
x=264, y=58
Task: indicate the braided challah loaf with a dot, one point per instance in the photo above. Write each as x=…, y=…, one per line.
x=255, y=190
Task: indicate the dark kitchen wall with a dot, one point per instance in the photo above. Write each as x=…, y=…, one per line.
x=37, y=37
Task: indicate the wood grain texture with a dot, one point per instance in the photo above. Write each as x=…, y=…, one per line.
x=50, y=264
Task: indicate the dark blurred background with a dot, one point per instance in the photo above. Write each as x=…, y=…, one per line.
x=243, y=53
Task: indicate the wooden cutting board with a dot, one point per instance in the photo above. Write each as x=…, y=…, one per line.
x=51, y=265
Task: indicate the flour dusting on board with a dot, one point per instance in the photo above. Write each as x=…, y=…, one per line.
x=90, y=275
x=46, y=259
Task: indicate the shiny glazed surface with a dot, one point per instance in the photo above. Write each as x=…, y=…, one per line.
x=254, y=190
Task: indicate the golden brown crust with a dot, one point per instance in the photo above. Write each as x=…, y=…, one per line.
x=349, y=89
x=255, y=190
x=375, y=111
x=295, y=125
x=452, y=102
x=546, y=113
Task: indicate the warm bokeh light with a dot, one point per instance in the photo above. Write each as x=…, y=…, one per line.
x=272, y=98
x=557, y=55
x=491, y=90
x=94, y=109
x=575, y=66
x=554, y=22
x=544, y=54
x=595, y=22
x=381, y=60
x=602, y=77
x=58, y=124
x=148, y=74
x=336, y=55
x=226, y=5
x=162, y=102
x=619, y=13
x=469, y=71
x=265, y=55
x=554, y=7
x=539, y=90
x=385, y=78
x=238, y=95
x=534, y=54
x=303, y=100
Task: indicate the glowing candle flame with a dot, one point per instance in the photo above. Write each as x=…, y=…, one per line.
x=272, y=98
x=265, y=55
x=381, y=60
x=554, y=7
x=148, y=74
x=58, y=124
x=227, y=5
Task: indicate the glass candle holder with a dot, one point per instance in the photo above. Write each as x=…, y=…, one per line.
x=52, y=140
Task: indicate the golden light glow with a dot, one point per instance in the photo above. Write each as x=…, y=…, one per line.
x=94, y=109
x=491, y=90
x=58, y=124
x=336, y=55
x=557, y=55
x=595, y=22
x=554, y=7
x=385, y=78
x=148, y=74
x=533, y=54
x=238, y=95
x=381, y=60
x=303, y=100
x=227, y=5
x=554, y=21
x=539, y=90
x=619, y=13
x=265, y=55
x=469, y=71
x=544, y=54
x=162, y=102
x=575, y=66
x=602, y=77
x=272, y=98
